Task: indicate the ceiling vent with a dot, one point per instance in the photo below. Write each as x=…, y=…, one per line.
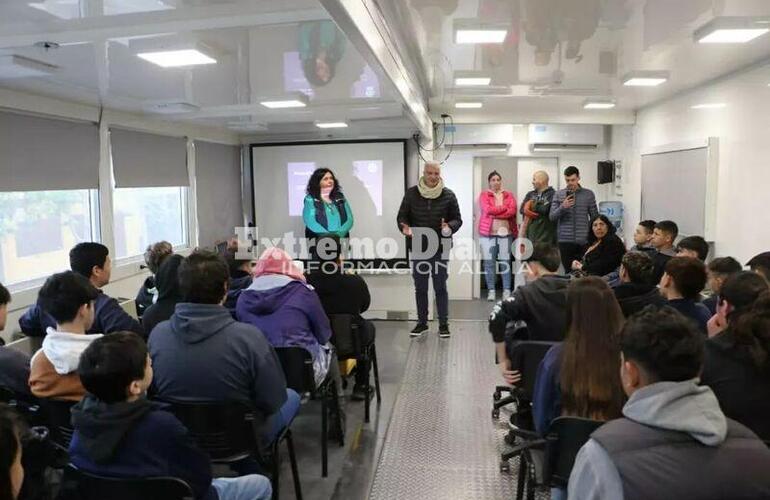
x=564, y=137
x=14, y=66
x=171, y=107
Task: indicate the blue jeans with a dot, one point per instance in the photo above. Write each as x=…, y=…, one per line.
x=422, y=270
x=496, y=252
x=252, y=487
x=283, y=417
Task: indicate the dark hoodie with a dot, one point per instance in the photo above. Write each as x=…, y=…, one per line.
x=239, y=280
x=633, y=297
x=542, y=305
x=167, y=283
x=203, y=354
x=137, y=439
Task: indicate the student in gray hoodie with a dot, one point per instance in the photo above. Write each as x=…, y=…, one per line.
x=673, y=440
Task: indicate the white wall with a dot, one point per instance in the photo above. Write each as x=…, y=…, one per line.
x=743, y=129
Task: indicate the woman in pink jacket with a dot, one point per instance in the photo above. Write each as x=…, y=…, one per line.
x=497, y=230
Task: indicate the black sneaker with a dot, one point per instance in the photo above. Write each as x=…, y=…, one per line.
x=443, y=331
x=418, y=330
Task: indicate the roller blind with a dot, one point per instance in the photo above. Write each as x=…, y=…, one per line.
x=140, y=159
x=42, y=154
x=218, y=187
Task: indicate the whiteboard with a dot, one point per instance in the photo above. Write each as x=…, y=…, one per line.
x=674, y=188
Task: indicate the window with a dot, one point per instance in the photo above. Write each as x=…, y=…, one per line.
x=145, y=215
x=38, y=228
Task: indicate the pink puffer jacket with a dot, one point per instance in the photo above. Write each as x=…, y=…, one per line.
x=490, y=211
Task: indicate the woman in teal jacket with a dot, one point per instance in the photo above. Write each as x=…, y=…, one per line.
x=326, y=210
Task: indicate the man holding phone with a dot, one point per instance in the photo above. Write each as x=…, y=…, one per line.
x=573, y=208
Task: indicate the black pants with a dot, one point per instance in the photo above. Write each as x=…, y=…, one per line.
x=570, y=252
x=364, y=366
x=422, y=271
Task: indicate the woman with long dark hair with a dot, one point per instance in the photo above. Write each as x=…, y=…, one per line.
x=326, y=210
x=736, y=362
x=605, y=249
x=11, y=470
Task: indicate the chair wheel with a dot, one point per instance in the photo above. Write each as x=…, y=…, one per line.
x=505, y=467
x=497, y=396
x=496, y=413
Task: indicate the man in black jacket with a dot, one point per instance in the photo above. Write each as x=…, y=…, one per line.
x=636, y=289
x=541, y=304
x=430, y=211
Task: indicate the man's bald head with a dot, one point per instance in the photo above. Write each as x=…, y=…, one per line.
x=540, y=180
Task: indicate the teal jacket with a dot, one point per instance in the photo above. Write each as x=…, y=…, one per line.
x=334, y=220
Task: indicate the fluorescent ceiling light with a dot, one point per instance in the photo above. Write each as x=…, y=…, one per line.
x=177, y=58
x=468, y=105
x=598, y=104
x=472, y=79
x=331, y=125
x=477, y=31
x=645, y=78
x=731, y=30
x=285, y=103
x=711, y=105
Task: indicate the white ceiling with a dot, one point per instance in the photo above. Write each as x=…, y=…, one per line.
x=257, y=45
x=583, y=49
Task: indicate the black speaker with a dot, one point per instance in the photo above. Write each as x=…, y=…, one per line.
x=605, y=171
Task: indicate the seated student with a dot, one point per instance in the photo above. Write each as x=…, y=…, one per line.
x=11, y=468
x=14, y=365
x=681, y=284
x=202, y=354
x=760, y=264
x=605, y=249
x=240, y=276
x=167, y=283
x=541, y=303
x=120, y=433
x=693, y=246
x=92, y=261
x=663, y=237
x=153, y=258
x=673, y=441
x=343, y=293
x=642, y=243
x=69, y=298
x=718, y=270
x=636, y=290
x=736, y=360
x=578, y=377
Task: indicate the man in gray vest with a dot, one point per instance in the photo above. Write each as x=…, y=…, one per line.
x=673, y=440
x=573, y=208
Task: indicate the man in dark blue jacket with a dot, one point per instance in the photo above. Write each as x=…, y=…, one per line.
x=118, y=432
x=91, y=260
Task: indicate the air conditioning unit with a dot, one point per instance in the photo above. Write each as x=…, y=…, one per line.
x=479, y=137
x=562, y=137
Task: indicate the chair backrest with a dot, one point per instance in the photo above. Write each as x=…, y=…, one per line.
x=26, y=405
x=297, y=368
x=345, y=336
x=225, y=430
x=526, y=356
x=80, y=485
x=58, y=413
x=566, y=435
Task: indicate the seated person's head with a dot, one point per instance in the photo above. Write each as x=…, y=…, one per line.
x=92, y=260
x=664, y=234
x=5, y=299
x=719, y=270
x=156, y=254
x=738, y=294
x=643, y=233
x=683, y=276
x=276, y=260
x=693, y=246
x=659, y=345
x=11, y=470
x=545, y=259
x=203, y=278
x=69, y=298
x=637, y=267
x=760, y=264
x=236, y=265
x=600, y=228
x=116, y=367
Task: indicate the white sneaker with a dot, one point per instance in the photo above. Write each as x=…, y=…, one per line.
x=506, y=294
x=491, y=295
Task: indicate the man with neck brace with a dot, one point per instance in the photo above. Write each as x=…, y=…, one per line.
x=429, y=214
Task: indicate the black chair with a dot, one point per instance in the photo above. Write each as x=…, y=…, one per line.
x=565, y=437
x=229, y=432
x=26, y=405
x=298, y=368
x=58, y=413
x=80, y=485
x=346, y=339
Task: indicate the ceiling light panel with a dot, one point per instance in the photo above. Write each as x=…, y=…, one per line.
x=731, y=30
x=294, y=100
x=177, y=58
x=710, y=105
x=331, y=125
x=470, y=31
x=645, y=78
x=472, y=79
x=468, y=105
x=598, y=104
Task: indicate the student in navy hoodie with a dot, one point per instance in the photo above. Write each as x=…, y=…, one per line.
x=240, y=276
x=681, y=284
x=91, y=260
x=120, y=433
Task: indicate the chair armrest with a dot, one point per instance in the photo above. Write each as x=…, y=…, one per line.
x=528, y=435
x=528, y=445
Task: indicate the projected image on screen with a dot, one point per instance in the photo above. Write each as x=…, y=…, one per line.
x=369, y=172
x=299, y=174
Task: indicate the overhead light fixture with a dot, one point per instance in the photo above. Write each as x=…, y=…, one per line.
x=14, y=66
x=472, y=79
x=598, y=104
x=468, y=105
x=177, y=58
x=645, y=78
x=477, y=31
x=731, y=30
x=710, y=105
x=297, y=100
x=331, y=124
